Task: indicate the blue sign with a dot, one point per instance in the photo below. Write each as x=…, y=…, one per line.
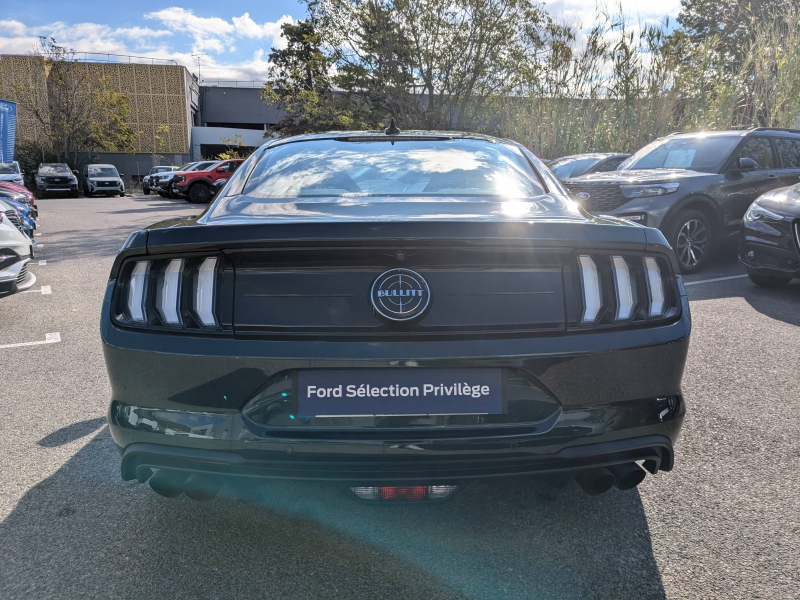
x=8, y=130
x=386, y=392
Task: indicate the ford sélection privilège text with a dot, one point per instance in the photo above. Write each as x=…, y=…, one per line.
x=400, y=312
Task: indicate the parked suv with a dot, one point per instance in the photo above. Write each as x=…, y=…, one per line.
x=53, y=178
x=695, y=187
x=11, y=173
x=195, y=186
x=102, y=179
x=153, y=171
x=583, y=164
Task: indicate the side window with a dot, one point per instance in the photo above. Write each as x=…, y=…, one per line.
x=790, y=153
x=233, y=166
x=760, y=150
x=609, y=165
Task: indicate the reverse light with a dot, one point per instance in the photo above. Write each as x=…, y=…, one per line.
x=592, y=295
x=136, y=292
x=404, y=493
x=655, y=287
x=648, y=190
x=204, y=293
x=168, y=293
x=624, y=288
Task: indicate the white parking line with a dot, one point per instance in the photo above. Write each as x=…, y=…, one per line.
x=49, y=338
x=44, y=290
x=716, y=279
x=42, y=262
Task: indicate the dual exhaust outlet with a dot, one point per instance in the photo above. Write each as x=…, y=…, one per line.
x=600, y=479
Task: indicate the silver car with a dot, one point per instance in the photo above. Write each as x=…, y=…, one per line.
x=15, y=254
x=102, y=179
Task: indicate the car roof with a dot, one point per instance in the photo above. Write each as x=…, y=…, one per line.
x=380, y=135
x=769, y=131
x=100, y=165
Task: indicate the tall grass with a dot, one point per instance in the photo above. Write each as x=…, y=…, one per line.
x=619, y=85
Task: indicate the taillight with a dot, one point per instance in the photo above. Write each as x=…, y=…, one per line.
x=188, y=293
x=204, y=292
x=168, y=292
x=137, y=287
x=404, y=493
x=592, y=294
x=620, y=290
x=655, y=287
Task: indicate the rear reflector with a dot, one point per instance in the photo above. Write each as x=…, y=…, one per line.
x=655, y=287
x=204, y=294
x=592, y=296
x=168, y=293
x=624, y=287
x=136, y=292
x=404, y=493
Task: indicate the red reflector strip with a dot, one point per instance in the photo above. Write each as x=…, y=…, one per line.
x=414, y=492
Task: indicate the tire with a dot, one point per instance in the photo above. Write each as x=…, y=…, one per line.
x=75, y=194
x=769, y=281
x=122, y=194
x=692, y=238
x=199, y=193
x=146, y=190
x=173, y=194
x=162, y=194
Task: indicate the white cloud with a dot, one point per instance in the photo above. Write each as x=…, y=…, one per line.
x=583, y=12
x=212, y=36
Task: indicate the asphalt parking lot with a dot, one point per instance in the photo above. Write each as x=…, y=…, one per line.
x=724, y=524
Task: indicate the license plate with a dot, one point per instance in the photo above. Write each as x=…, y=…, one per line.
x=399, y=392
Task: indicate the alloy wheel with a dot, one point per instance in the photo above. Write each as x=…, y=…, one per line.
x=692, y=242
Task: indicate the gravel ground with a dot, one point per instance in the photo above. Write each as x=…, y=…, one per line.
x=724, y=524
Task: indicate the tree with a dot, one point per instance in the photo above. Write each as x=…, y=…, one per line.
x=236, y=148
x=75, y=112
x=733, y=24
x=429, y=63
x=299, y=82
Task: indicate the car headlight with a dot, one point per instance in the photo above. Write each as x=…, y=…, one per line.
x=759, y=213
x=648, y=190
x=179, y=179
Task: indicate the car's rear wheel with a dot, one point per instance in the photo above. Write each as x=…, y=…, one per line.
x=769, y=281
x=199, y=193
x=692, y=239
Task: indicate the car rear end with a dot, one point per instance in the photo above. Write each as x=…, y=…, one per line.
x=15, y=254
x=248, y=352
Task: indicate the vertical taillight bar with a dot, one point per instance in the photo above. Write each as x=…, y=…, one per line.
x=137, y=288
x=655, y=287
x=624, y=288
x=592, y=294
x=204, y=294
x=168, y=293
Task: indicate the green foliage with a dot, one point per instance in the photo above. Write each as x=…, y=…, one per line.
x=236, y=148
x=75, y=113
x=505, y=67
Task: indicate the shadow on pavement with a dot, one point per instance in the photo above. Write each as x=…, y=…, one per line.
x=84, y=533
x=781, y=304
x=70, y=433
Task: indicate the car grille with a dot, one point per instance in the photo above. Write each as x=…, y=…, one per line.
x=12, y=216
x=107, y=184
x=56, y=179
x=603, y=197
x=23, y=273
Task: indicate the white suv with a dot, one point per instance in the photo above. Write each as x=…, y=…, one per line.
x=15, y=253
x=102, y=179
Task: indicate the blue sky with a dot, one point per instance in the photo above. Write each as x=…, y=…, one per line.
x=235, y=37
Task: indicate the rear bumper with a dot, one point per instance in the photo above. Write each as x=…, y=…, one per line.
x=409, y=463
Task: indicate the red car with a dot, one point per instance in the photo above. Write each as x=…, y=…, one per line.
x=30, y=199
x=196, y=186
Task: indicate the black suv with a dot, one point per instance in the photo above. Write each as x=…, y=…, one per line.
x=695, y=187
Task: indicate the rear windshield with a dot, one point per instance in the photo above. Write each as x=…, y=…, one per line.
x=54, y=168
x=334, y=168
x=572, y=166
x=701, y=153
x=103, y=172
x=8, y=169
